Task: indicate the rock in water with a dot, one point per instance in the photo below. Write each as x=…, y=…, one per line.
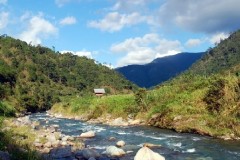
x=58, y=153
x=147, y=154
x=120, y=144
x=114, y=151
x=90, y=153
x=88, y=134
x=150, y=145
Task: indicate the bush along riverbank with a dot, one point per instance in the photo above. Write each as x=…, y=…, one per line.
x=22, y=138
x=190, y=103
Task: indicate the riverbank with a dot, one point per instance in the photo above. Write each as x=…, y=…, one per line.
x=189, y=103
x=180, y=124
x=37, y=141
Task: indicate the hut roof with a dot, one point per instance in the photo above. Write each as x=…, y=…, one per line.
x=99, y=90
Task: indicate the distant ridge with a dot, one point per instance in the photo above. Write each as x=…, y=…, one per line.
x=160, y=69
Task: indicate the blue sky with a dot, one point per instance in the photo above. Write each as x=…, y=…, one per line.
x=121, y=32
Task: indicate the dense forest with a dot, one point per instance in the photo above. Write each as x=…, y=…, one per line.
x=34, y=77
x=220, y=58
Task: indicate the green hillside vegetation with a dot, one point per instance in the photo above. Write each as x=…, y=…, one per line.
x=33, y=78
x=207, y=104
x=220, y=58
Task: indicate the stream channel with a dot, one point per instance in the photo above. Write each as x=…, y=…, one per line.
x=175, y=146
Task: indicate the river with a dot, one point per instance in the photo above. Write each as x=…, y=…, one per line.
x=175, y=146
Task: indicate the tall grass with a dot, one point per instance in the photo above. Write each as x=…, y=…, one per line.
x=188, y=103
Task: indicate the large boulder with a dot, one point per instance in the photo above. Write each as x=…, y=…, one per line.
x=147, y=154
x=114, y=151
x=88, y=134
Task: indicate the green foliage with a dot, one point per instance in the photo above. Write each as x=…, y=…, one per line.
x=93, y=107
x=6, y=109
x=17, y=141
x=214, y=96
x=140, y=98
x=224, y=56
x=36, y=76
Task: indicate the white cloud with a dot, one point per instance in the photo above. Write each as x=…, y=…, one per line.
x=3, y=1
x=68, y=21
x=216, y=38
x=3, y=19
x=37, y=29
x=79, y=53
x=131, y=5
x=61, y=3
x=208, y=16
x=193, y=43
x=142, y=50
x=114, y=21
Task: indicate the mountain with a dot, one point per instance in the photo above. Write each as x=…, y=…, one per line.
x=34, y=77
x=220, y=58
x=160, y=69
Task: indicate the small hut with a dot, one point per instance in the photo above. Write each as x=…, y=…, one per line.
x=99, y=92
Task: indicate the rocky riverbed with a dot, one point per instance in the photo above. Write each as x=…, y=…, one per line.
x=51, y=143
x=70, y=139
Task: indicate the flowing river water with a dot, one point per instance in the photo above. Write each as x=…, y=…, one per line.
x=175, y=146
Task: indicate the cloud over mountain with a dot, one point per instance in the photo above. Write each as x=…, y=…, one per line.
x=37, y=29
x=141, y=50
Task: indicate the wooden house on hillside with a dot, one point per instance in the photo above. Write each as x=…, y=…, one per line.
x=99, y=91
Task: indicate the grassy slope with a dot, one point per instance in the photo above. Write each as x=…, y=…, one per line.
x=183, y=104
x=17, y=140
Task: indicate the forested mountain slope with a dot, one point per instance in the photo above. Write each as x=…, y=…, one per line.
x=34, y=77
x=220, y=58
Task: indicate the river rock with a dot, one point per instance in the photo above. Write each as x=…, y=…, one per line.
x=135, y=122
x=120, y=144
x=51, y=129
x=130, y=148
x=88, y=153
x=4, y=155
x=47, y=145
x=114, y=151
x=37, y=144
x=112, y=139
x=24, y=120
x=56, y=143
x=35, y=124
x=64, y=143
x=58, y=153
x=51, y=138
x=147, y=154
x=65, y=138
x=88, y=134
x=150, y=145
x=118, y=122
x=46, y=150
